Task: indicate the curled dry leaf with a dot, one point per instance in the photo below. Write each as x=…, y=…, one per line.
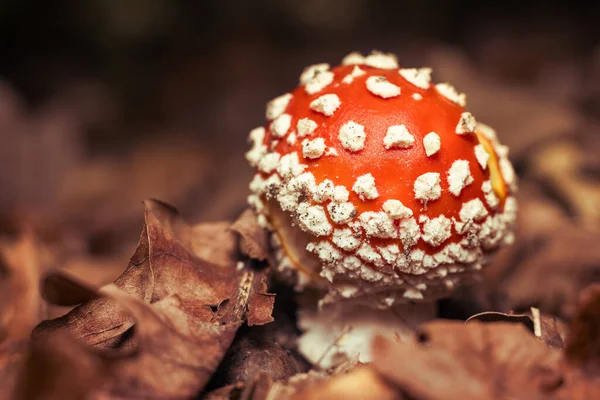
x=254, y=241
x=186, y=296
x=20, y=306
x=452, y=360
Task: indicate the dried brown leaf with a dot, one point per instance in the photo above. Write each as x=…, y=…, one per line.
x=260, y=304
x=170, y=318
x=177, y=348
x=253, y=239
x=451, y=360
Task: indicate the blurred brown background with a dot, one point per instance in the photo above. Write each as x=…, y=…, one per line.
x=106, y=102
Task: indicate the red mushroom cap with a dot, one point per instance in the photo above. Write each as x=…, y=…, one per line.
x=384, y=177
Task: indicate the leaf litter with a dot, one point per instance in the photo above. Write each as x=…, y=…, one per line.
x=162, y=328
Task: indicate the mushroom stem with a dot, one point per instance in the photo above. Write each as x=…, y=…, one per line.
x=345, y=331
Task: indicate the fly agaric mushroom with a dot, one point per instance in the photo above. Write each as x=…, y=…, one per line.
x=378, y=187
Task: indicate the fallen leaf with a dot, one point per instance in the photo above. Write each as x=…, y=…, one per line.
x=254, y=241
x=172, y=257
x=171, y=316
x=452, y=360
x=177, y=347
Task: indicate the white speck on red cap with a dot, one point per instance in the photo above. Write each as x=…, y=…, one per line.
x=410, y=233
x=508, y=173
x=324, y=191
x=305, y=127
x=341, y=213
x=351, y=263
x=428, y=187
x=490, y=196
x=381, y=60
x=379, y=86
x=398, y=136
x=436, y=230
x=313, y=148
x=420, y=77
x=311, y=71
x=501, y=150
x=290, y=194
x=277, y=106
x=389, y=253
x=466, y=124
x=291, y=139
x=312, y=219
x=365, y=187
x=345, y=239
x=340, y=193
x=319, y=82
x=269, y=162
x=273, y=182
x=326, y=104
x=289, y=166
x=255, y=201
x=258, y=150
x=257, y=183
x=325, y=251
x=353, y=58
x=417, y=96
x=482, y=156
x=369, y=274
x=473, y=210
x=396, y=209
x=449, y=92
x=459, y=177
x=487, y=131
x=432, y=143
x=352, y=136
x=367, y=253
x=281, y=125
x=355, y=73
x=378, y=224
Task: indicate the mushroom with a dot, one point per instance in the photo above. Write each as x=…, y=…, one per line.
x=381, y=193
